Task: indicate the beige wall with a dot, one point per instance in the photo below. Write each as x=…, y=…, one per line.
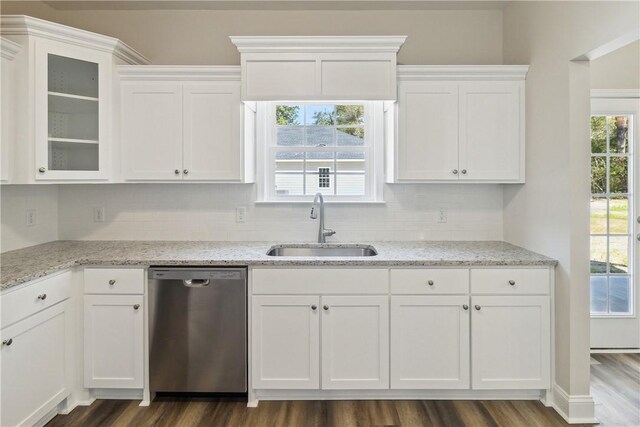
x=550, y=213
x=619, y=69
x=202, y=36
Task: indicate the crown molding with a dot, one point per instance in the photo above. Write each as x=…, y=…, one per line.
x=22, y=25
x=318, y=44
x=462, y=72
x=615, y=93
x=208, y=73
x=8, y=48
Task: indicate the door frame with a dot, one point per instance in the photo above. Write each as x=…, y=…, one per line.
x=622, y=331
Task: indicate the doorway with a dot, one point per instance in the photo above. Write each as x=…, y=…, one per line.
x=614, y=229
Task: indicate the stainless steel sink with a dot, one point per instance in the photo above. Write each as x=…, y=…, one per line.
x=313, y=251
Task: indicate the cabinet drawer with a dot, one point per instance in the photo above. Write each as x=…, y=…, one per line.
x=113, y=281
x=318, y=281
x=430, y=281
x=34, y=297
x=510, y=281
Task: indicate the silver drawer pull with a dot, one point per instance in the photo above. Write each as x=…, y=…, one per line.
x=314, y=307
x=42, y=297
x=112, y=282
x=477, y=307
x=430, y=282
x=326, y=307
x=7, y=342
x=136, y=306
x=512, y=282
x=465, y=306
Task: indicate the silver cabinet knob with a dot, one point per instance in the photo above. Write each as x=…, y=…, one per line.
x=455, y=171
x=512, y=282
x=177, y=171
x=136, y=306
x=430, y=282
x=464, y=171
x=42, y=297
x=7, y=342
x=465, y=306
x=42, y=170
x=314, y=307
x=112, y=282
x=326, y=307
x=186, y=171
x=477, y=307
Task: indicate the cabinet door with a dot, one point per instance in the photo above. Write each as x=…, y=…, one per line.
x=491, y=131
x=33, y=372
x=72, y=112
x=212, y=140
x=151, y=136
x=113, y=341
x=430, y=342
x=428, y=131
x=355, y=342
x=285, y=341
x=510, y=342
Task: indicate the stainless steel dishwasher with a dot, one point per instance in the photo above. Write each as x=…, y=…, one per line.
x=198, y=330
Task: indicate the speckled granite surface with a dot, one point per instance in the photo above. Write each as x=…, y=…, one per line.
x=26, y=264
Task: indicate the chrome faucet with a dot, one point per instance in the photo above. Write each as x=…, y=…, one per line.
x=322, y=232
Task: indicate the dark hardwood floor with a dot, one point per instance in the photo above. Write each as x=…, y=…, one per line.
x=615, y=387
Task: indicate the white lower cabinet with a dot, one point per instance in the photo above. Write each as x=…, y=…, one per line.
x=511, y=342
x=286, y=342
x=430, y=342
x=287, y=335
x=355, y=342
x=113, y=341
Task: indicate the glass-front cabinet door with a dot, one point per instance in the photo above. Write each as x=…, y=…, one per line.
x=72, y=103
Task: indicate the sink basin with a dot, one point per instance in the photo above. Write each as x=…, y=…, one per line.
x=313, y=251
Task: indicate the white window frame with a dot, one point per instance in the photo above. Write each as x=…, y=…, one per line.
x=374, y=153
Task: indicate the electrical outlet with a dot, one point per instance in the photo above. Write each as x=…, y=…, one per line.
x=241, y=214
x=30, y=217
x=442, y=215
x=98, y=214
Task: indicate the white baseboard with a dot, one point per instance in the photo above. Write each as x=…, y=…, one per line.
x=575, y=409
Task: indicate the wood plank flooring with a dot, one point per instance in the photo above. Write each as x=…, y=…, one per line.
x=615, y=387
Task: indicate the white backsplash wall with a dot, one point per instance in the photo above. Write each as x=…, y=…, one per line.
x=208, y=212
x=15, y=200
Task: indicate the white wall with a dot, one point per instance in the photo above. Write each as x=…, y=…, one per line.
x=550, y=214
x=207, y=212
x=619, y=69
x=14, y=201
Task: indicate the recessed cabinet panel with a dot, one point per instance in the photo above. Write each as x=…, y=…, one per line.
x=510, y=342
x=362, y=79
x=152, y=131
x=286, y=342
x=113, y=341
x=490, y=131
x=430, y=342
x=212, y=148
x=293, y=79
x=34, y=366
x=428, y=131
x=355, y=342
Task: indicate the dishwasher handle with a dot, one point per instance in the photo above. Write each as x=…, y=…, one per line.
x=196, y=283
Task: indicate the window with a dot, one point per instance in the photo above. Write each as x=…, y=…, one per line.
x=310, y=147
x=611, y=213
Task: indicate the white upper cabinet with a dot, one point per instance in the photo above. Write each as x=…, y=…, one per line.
x=319, y=68
x=63, y=100
x=459, y=124
x=185, y=124
x=8, y=52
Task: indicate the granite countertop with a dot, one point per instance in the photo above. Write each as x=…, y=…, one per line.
x=26, y=264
